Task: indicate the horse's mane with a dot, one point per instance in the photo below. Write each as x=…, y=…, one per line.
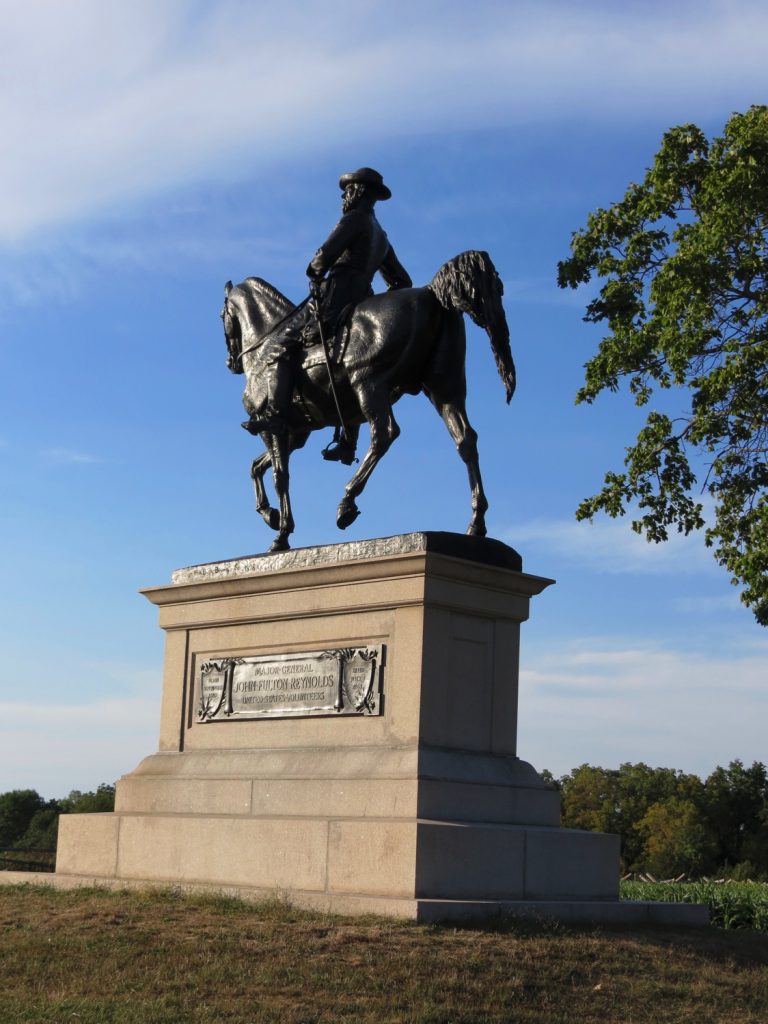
x=258, y=286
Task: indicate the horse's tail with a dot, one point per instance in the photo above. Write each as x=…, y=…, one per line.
x=470, y=284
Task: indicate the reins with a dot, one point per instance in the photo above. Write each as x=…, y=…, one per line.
x=272, y=330
x=313, y=299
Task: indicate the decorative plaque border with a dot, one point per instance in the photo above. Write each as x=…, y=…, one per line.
x=340, y=681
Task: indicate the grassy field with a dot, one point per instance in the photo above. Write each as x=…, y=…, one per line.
x=97, y=957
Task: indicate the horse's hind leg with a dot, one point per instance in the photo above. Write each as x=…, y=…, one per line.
x=454, y=415
x=377, y=409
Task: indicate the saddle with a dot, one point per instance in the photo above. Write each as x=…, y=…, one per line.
x=312, y=350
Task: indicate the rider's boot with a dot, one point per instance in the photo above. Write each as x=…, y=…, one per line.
x=254, y=426
x=343, y=446
x=266, y=423
x=271, y=417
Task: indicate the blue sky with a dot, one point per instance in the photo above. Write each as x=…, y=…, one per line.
x=153, y=151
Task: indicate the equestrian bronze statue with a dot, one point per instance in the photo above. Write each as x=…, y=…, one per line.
x=345, y=355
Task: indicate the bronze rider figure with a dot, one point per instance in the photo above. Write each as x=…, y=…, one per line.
x=341, y=274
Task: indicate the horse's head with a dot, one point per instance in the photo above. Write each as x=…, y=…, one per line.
x=232, y=332
x=250, y=310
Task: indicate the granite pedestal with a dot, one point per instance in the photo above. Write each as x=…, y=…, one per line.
x=415, y=805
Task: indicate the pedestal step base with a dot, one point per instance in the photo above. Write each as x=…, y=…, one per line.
x=341, y=782
x=377, y=857
x=630, y=913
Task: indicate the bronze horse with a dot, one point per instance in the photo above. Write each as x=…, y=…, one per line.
x=398, y=342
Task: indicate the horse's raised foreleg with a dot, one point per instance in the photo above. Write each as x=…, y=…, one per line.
x=377, y=409
x=454, y=416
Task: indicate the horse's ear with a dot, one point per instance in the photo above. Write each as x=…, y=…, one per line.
x=227, y=289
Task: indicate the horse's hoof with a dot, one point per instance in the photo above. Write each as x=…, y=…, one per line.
x=346, y=514
x=279, y=544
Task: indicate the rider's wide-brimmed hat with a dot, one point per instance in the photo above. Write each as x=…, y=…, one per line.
x=366, y=176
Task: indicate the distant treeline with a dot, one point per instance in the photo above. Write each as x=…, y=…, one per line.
x=671, y=823
x=28, y=822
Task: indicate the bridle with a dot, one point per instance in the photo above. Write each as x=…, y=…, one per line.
x=244, y=351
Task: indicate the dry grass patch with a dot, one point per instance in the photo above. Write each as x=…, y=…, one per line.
x=97, y=957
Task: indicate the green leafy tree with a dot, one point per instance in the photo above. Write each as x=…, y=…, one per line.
x=640, y=787
x=103, y=799
x=753, y=854
x=28, y=821
x=676, y=839
x=42, y=831
x=736, y=806
x=617, y=800
x=590, y=799
x=17, y=809
x=684, y=262
x=549, y=778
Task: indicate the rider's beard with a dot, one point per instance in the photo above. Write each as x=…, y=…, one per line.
x=351, y=198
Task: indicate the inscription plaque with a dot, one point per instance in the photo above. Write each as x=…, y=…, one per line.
x=344, y=681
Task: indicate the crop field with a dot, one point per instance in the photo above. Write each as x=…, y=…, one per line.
x=731, y=904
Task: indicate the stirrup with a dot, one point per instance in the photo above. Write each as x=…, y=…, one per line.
x=339, y=451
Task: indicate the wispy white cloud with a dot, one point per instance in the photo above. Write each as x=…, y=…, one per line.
x=58, y=747
x=605, y=705
x=54, y=745
x=110, y=102
x=69, y=456
x=612, y=546
x=86, y=256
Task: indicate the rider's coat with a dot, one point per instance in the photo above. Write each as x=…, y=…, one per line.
x=354, y=251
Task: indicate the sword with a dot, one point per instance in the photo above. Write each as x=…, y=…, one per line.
x=314, y=290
